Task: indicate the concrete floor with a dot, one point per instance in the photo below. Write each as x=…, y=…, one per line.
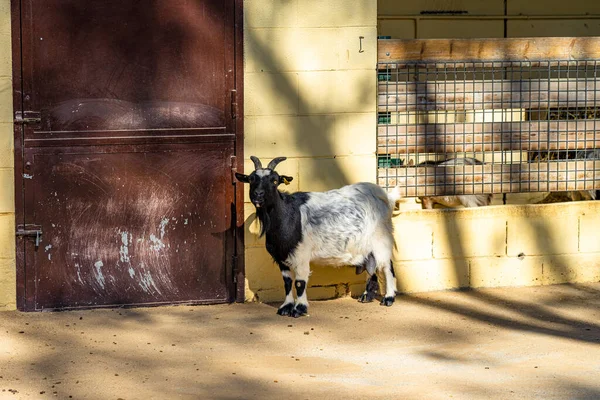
x=525, y=343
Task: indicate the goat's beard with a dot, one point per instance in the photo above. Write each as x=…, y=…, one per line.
x=263, y=218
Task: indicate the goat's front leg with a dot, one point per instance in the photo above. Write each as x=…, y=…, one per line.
x=301, y=307
x=288, y=304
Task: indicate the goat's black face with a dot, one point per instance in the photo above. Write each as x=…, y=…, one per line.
x=263, y=183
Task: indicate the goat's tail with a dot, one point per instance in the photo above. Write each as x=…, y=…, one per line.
x=393, y=197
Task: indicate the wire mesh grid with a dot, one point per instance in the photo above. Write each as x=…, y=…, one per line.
x=488, y=126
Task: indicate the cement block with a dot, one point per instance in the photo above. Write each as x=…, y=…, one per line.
x=545, y=28
x=261, y=270
x=589, y=224
x=356, y=53
x=270, y=13
x=397, y=29
x=322, y=292
x=571, y=269
x=543, y=230
x=7, y=236
x=359, y=168
x=505, y=271
x=249, y=136
x=8, y=284
x=354, y=134
x=468, y=234
x=7, y=194
x=320, y=174
x=323, y=275
x=5, y=40
x=271, y=93
x=291, y=49
x=356, y=289
x=429, y=275
x=552, y=7
x=6, y=109
x=295, y=136
x=414, y=239
x=474, y=7
x=326, y=92
x=270, y=295
x=337, y=13
x=6, y=146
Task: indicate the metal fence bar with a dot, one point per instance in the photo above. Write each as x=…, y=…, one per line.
x=437, y=119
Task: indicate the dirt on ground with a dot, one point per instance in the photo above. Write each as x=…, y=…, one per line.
x=525, y=343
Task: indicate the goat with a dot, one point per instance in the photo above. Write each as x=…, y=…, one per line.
x=347, y=226
x=468, y=200
x=576, y=195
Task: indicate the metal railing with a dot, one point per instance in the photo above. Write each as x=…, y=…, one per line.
x=509, y=125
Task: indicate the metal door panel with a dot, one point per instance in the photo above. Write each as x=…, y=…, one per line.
x=129, y=135
x=127, y=64
x=131, y=226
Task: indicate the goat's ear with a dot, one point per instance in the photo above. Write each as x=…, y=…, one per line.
x=242, y=177
x=285, y=179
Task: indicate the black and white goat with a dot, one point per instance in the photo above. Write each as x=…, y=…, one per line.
x=347, y=226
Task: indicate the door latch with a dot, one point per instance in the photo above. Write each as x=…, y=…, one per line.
x=32, y=231
x=28, y=117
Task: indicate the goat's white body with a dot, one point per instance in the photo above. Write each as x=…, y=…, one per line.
x=342, y=227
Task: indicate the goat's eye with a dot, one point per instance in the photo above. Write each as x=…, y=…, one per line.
x=274, y=181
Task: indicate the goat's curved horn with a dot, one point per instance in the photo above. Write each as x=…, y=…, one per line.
x=256, y=161
x=275, y=161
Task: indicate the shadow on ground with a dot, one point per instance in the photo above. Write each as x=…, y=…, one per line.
x=538, y=342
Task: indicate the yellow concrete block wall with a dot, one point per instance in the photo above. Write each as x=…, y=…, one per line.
x=511, y=245
x=309, y=70
x=7, y=206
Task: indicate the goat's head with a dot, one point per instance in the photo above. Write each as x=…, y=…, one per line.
x=264, y=182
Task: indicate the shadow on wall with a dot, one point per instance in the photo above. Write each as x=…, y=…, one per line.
x=548, y=239
x=312, y=122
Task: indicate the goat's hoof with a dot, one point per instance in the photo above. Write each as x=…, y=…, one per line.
x=387, y=301
x=286, y=309
x=366, y=298
x=299, y=310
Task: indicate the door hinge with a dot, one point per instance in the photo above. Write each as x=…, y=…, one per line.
x=28, y=117
x=234, y=104
x=32, y=231
x=233, y=169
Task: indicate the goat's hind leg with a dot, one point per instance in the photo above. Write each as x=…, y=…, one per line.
x=288, y=304
x=390, y=284
x=371, y=290
x=372, y=287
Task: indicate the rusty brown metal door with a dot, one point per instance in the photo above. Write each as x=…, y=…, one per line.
x=126, y=136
